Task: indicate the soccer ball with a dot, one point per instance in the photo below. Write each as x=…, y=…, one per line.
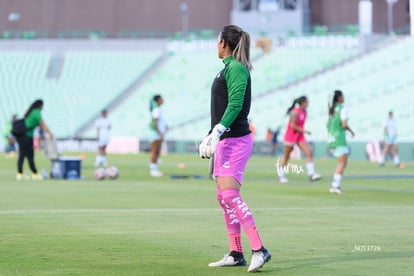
x=100, y=174
x=112, y=172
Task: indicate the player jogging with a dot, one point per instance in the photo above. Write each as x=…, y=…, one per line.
x=32, y=119
x=158, y=127
x=230, y=141
x=390, y=140
x=295, y=134
x=103, y=127
x=337, y=127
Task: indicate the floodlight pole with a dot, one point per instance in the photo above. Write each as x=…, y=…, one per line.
x=184, y=17
x=390, y=15
x=412, y=17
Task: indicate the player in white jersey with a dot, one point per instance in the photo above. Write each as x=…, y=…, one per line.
x=103, y=127
x=158, y=127
x=390, y=140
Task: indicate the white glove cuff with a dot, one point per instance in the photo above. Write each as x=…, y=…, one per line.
x=218, y=130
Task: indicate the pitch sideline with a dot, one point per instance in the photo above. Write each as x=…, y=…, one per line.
x=194, y=210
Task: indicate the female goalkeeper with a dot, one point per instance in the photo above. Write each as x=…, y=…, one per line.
x=231, y=143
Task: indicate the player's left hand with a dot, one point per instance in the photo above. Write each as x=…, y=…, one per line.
x=208, y=146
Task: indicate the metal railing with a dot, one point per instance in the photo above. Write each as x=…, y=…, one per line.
x=98, y=34
x=318, y=30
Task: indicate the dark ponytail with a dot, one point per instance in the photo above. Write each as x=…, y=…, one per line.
x=335, y=99
x=299, y=101
x=153, y=102
x=36, y=104
x=239, y=42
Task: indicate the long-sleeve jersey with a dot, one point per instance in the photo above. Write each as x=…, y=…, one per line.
x=231, y=98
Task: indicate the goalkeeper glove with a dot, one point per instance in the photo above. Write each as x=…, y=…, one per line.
x=208, y=146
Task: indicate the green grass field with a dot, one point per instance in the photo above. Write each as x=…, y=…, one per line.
x=138, y=225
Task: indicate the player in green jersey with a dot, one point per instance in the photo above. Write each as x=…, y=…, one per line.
x=32, y=119
x=337, y=127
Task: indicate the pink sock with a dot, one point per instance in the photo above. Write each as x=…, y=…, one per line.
x=232, y=198
x=232, y=224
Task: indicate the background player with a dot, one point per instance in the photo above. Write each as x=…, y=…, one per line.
x=32, y=119
x=273, y=138
x=390, y=140
x=158, y=127
x=231, y=140
x=9, y=139
x=295, y=134
x=337, y=127
x=103, y=127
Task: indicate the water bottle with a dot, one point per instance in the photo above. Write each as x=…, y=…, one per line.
x=44, y=174
x=56, y=172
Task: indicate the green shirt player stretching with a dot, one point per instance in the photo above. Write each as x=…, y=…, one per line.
x=32, y=119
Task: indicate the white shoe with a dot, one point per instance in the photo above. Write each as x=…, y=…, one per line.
x=315, y=177
x=229, y=260
x=334, y=190
x=155, y=173
x=19, y=177
x=37, y=176
x=259, y=258
x=283, y=180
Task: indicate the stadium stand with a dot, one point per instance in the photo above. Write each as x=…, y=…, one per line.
x=78, y=84
x=373, y=84
x=286, y=65
x=185, y=81
x=86, y=82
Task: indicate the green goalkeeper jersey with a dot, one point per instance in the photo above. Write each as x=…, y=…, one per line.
x=231, y=98
x=336, y=131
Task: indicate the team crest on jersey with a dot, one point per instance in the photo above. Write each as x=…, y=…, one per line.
x=218, y=76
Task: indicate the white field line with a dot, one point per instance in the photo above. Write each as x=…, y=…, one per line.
x=196, y=210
